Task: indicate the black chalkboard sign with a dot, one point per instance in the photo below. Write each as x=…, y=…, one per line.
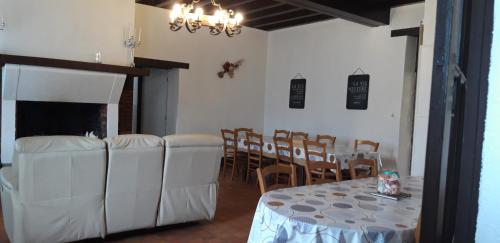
x=357, y=92
x=297, y=94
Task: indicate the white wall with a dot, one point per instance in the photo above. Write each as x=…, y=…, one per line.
x=326, y=54
x=206, y=103
x=488, y=228
x=424, y=81
x=73, y=30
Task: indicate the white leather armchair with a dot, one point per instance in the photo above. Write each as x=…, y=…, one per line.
x=189, y=190
x=133, y=185
x=54, y=191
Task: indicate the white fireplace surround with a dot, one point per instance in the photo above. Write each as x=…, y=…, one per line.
x=34, y=83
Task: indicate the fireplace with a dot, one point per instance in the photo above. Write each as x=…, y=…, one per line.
x=38, y=101
x=60, y=118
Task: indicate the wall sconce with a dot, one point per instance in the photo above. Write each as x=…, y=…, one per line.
x=2, y=23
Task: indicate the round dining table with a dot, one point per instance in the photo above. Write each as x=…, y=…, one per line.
x=337, y=212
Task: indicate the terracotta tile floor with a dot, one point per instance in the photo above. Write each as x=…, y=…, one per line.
x=233, y=218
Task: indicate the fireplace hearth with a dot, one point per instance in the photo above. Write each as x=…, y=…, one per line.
x=60, y=118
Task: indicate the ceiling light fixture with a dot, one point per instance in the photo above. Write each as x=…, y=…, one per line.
x=193, y=17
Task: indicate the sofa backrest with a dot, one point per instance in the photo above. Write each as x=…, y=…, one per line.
x=133, y=184
x=61, y=189
x=191, y=160
x=54, y=167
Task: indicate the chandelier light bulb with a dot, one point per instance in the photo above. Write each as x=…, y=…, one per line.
x=239, y=18
x=175, y=12
x=198, y=13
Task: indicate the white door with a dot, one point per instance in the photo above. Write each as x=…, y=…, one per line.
x=154, y=103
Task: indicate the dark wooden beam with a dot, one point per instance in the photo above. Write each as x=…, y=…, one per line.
x=67, y=64
x=395, y=3
x=254, y=8
x=263, y=25
x=415, y=32
x=376, y=17
x=270, y=13
x=150, y=2
x=237, y=4
x=159, y=64
x=296, y=22
x=296, y=14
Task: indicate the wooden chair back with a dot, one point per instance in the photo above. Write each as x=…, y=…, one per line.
x=373, y=145
x=255, y=144
x=230, y=140
x=326, y=139
x=242, y=132
x=284, y=150
x=262, y=174
x=354, y=164
x=281, y=133
x=230, y=151
x=300, y=136
x=318, y=168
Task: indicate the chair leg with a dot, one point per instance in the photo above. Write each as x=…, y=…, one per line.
x=248, y=171
x=224, y=167
x=235, y=166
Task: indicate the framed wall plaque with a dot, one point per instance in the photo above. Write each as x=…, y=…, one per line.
x=357, y=92
x=297, y=93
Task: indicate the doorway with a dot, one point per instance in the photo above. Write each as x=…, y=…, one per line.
x=158, y=100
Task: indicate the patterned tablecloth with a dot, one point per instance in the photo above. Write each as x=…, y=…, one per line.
x=337, y=212
x=342, y=155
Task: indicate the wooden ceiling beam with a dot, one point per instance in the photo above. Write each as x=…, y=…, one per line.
x=377, y=17
x=395, y=3
x=297, y=13
x=260, y=25
x=286, y=9
x=237, y=4
x=257, y=9
x=296, y=22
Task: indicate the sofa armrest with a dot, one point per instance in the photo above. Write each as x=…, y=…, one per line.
x=8, y=178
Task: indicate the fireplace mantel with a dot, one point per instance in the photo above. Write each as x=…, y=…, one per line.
x=75, y=65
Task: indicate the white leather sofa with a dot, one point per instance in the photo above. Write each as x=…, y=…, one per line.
x=57, y=189
x=189, y=190
x=133, y=184
x=54, y=192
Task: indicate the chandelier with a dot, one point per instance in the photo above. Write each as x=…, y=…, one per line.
x=193, y=17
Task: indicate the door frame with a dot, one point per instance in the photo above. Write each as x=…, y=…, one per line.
x=453, y=160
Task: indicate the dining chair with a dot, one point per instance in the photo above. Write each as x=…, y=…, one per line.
x=242, y=132
x=263, y=173
x=357, y=173
x=373, y=145
x=326, y=139
x=318, y=169
x=256, y=159
x=281, y=133
x=299, y=136
x=284, y=150
x=230, y=151
x=284, y=153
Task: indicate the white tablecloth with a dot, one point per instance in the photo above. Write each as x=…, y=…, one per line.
x=337, y=212
x=299, y=154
